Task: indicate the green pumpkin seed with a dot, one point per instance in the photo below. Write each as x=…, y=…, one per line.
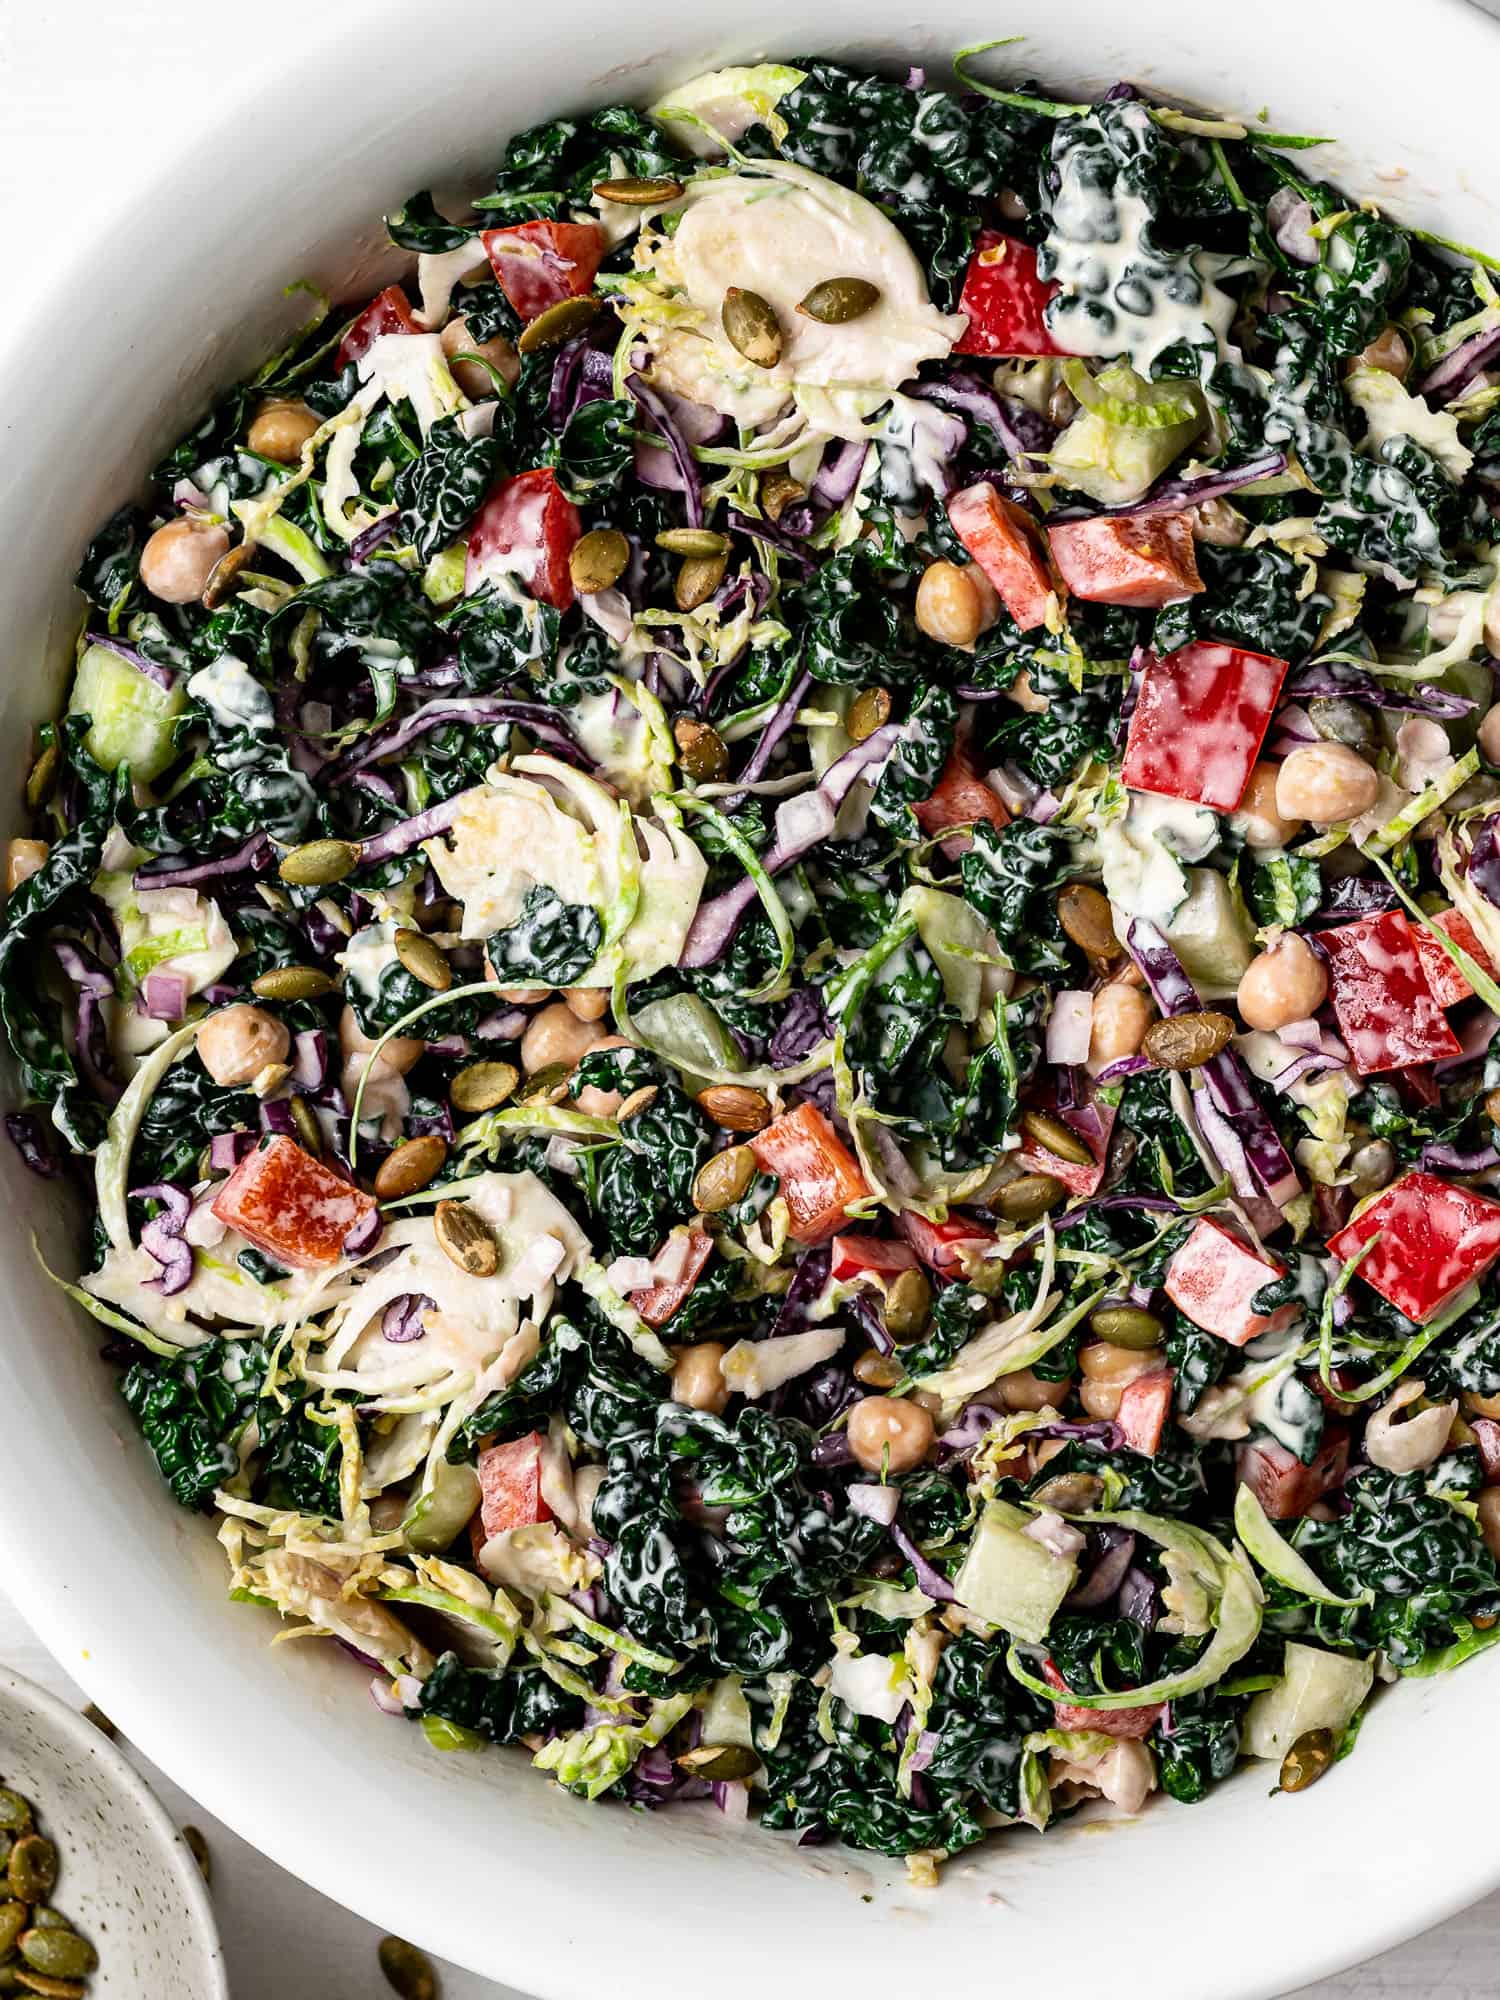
x=309, y=1131
x=48, y=1986
x=1126, y=1326
x=644, y=193
x=719, y=1761
x=559, y=323
x=15, y=1812
x=908, y=1306
x=751, y=327
x=836, y=301
x=547, y=1084
x=43, y=777
x=1186, y=1041
x=93, y=1713
x=60, y=1954
x=700, y=749
x=410, y=1167
x=1084, y=913
x=482, y=1086
x=723, y=1179
x=45, y=1918
x=31, y=1872
x=10, y=1980
x=466, y=1239
x=319, y=863
x=1310, y=1758
x=1054, y=1137
x=693, y=542
x=292, y=982
x=637, y=1102
x=408, y=1972
x=1027, y=1197
x=697, y=580
x=423, y=960
x=12, y=1923
x=870, y=710
x=599, y=560
x=224, y=575
x=6, y=1844
x=778, y=491
x=197, y=1846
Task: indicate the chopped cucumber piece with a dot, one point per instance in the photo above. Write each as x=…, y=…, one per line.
x=1208, y=934
x=443, y=1510
x=1010, y=1580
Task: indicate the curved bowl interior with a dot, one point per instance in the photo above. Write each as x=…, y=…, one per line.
x=477, y=1857
x=126, y=1879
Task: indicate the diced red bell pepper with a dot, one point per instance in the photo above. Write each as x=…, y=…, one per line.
x=945, y=1247
x=1487, y=1437
x=1005, y=299
x=1213, y=1277
x=1444, y=980
x=1283, y=1485
x=1129, y=1723
x=539, y=264
x=853, y=1257
x=387, y=312
x=657, y=1303
x=1434, y=1239
x=510, y=1487
x=1381, y=999
x=1142, y=1414
x=959, y=798
x=1093, y=1124
x=1142, y=561
x=1007, y=544
x=1199, y=721
x=819, y=1175
x=291, y=1206
x=529, y=528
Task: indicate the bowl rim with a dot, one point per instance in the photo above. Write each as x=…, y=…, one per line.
x=63, y=1620
x=70, y=1728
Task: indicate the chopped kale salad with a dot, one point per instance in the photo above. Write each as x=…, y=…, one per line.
x=767, y=918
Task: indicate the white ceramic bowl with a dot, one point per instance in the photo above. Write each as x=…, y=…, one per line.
x=478, y=1857
x=126, y=1877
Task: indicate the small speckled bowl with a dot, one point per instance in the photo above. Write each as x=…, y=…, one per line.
x=126, y=1878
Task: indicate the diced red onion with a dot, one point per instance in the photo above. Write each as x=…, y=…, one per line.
x=876, y=1503
x=1069, y=1026
x=1449, y=378
x=402, y=1319
x=365, y=1232
x=164, y=995
x=930, y=1580
x=1290, y=218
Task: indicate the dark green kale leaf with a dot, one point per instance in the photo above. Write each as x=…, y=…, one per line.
x=501, y=1706
x=416, y=225
x=441, y=491
x=499, y=639
x=1255, y=598
x=183, y=1113
x=300, y=1464
x=594, y=448
x=856, y=623
x=1078, y=723
x=193, y=1410
x=1008, y=875
x=1362, y=267
x=112, y=559
x=911, y=771
x=639, y=1187
x=551, y=941
x=1202, y=1748
x=551, y=169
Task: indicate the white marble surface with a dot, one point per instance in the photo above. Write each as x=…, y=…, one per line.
x=93, y=95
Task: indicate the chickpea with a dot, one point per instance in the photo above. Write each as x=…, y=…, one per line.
x=22, y=858
x=395, y=1059
x=236, y=1043
x=951, y=606
x=1107, y=1372
x=1489, y=735
x=176, y=562
x=590, y=1099
x=1258, y=818
x=1387, y=351
x=886, y=1432
x=698, y=1377
x=556, y=1035
x=589, y=1003
x=1122, y=1015
x=1326, y=783
x=1022, y=1390
x=475, y=381
x=1488, y=1506
x=280, y=430
x=1286, y=983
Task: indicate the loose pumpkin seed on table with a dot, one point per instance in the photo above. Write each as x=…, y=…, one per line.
x=813, y=993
